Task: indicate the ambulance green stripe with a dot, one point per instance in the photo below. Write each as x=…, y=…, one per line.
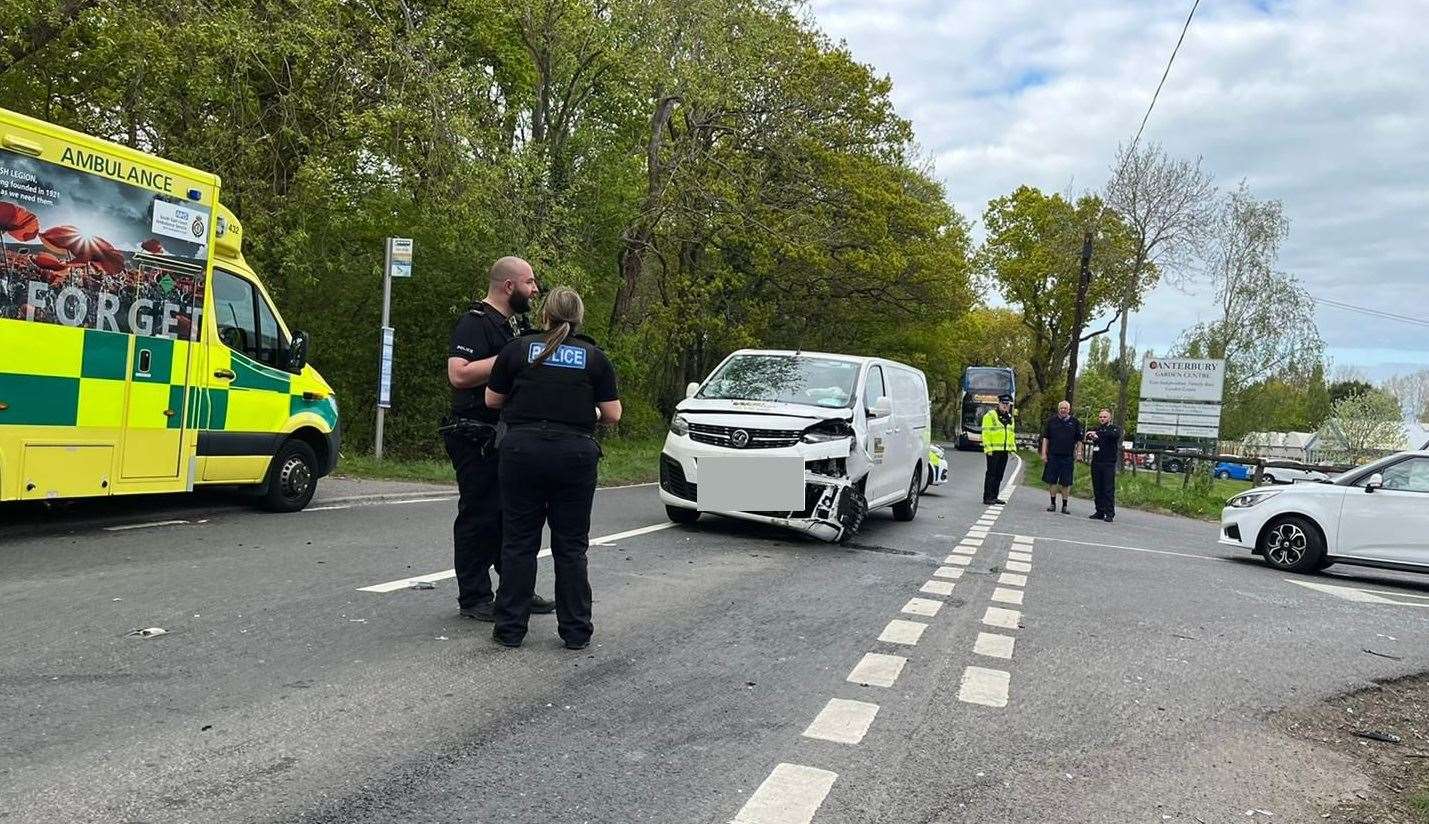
x=38, y=400
x=105, y=355
x=323, y=408
x=250, y=375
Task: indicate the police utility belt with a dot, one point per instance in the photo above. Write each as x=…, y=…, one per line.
x=480, y=433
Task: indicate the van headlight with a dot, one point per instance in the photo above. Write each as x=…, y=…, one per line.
x=825, y=431
x=679, y=425
x=1246, y=500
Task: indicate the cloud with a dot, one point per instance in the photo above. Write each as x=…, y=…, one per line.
x=1323, y=104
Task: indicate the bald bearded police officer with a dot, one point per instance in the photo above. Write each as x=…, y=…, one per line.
x=469, y=434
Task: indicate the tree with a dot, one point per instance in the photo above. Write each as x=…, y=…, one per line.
x=1363, y=427
x=1266, y=324
x=1339, y=390
x=1167, y=205
x=1412, y=390
x=1032, y=256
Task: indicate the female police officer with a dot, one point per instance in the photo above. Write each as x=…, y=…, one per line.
x=551, y=388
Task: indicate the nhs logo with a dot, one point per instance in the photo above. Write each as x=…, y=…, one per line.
x=569, y=357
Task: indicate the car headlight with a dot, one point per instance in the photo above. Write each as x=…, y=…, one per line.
x=1249, y=499
x=679, y=425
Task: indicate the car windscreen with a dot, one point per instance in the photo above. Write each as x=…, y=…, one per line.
x=784, y=379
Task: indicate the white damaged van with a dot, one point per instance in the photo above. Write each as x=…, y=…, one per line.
x=805, y=440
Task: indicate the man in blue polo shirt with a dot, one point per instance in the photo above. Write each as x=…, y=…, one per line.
x=1061, y=446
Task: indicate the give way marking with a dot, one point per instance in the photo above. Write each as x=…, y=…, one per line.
x=1366, y=596
x=604, y=540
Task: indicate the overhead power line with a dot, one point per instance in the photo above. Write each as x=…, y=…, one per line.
x=1164, y=75
x=1377, y=313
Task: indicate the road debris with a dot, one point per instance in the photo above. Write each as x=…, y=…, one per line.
x=147, y=632
x=422, y=585
x=1376, y=735
x=1384, y=655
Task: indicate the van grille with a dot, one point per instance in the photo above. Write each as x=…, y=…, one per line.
x=758, y=438
x=672, y=479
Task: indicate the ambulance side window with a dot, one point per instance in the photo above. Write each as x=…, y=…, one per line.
x=245, y=321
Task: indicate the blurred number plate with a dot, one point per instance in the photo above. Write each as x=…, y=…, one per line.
x=750, y=483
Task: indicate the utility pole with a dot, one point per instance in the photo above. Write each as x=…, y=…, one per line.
x=1081, y=318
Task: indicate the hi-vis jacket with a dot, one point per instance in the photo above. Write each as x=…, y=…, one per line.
x=997, y=437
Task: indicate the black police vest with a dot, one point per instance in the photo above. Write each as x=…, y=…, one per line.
x=560, y=390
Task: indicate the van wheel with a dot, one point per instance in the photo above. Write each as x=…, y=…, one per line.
x=292, y=478
x=907, y=509
x=1292, y=544
x=682, y=516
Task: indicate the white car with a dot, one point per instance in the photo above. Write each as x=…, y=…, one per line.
x=1376, y=515
x=804, y=440
x=1276, y=474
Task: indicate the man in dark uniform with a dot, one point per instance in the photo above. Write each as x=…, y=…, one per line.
x=1106, y=458
x=552, y=390
x=469, y=434
x=1061, y=446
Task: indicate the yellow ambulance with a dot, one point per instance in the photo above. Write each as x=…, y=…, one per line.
x=139, y=352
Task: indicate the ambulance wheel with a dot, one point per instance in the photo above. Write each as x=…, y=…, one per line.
x=907, y=509
x=682, y=516
x=292, y=478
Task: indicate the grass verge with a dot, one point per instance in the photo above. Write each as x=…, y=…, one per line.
x=627, y=461
x=1202, y=498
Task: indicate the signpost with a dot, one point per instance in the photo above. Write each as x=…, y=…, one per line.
x=1181, y=397
x=398, y=265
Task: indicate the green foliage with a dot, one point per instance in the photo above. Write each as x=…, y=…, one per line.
x=1339, y=390
x=1362, y=427
x=710, y=174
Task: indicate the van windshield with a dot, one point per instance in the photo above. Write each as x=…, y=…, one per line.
x=784, y=379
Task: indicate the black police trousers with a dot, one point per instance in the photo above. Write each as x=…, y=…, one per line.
x=992, y=481
x=476, y=534
x=547, y=477
x=1104, y=487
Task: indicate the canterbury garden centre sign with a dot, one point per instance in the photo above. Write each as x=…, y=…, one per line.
x=1181, y=397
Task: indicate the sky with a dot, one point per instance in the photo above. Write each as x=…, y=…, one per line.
x=1321, y=104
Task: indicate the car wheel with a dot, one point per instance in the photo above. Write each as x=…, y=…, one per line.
x=682, y=516
x=1267, y=478
x=1292, y=544
x=1172, y=465
x=907, y=509
x=1223, y=475
x=292, y=478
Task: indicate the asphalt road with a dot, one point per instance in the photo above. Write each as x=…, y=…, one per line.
x=738, y=673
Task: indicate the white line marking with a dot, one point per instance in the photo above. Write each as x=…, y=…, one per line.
x=964, y=550
x=971, y=542
x=986, y=521
x=937, y=588
x=960, y=560
x=842, y=721
x=952, y=559
x=977, y=532
x=1365, y=596
x=1007, y=596
x=790, y=795
x=878, y=670
x=1012, y=480
x=999, y=617
x=947, y=572
x=1021, y=539
x=1012, y=579
x=127, y=527
x=926, y=607
x=329, y=508
x=993, y=645
x=1129, y=548
x=432, y=578
x=1019, y=556
x=903, y=632
x=987, y=687
x=416, y=500
x=1019, y=566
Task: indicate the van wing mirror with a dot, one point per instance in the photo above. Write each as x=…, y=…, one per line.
x=691, y=388
x=882, y=408
x=1376, y=481
x=297, y=354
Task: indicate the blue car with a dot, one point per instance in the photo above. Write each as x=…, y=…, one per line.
x=1239, y=472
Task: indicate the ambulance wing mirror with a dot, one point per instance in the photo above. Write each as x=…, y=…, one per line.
x=297, y=355
x=882, y=408
x=690, y=389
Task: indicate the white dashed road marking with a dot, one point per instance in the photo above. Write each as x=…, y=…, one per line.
x=1021, y=539
x=878, y=670
x=1012, y=579
x=937, y=588
x=964, y=550
x=960, y=560
x=999, y=617
x=127, y=527
x=987, y=687
x=1020, y=556
x=926, y=607
x=842, y=721
x=947, y=572
x=971, y=542
x=1019, y=566
x=993, y=645
x=1007, y=596
x=790, y=795
x=904, y=632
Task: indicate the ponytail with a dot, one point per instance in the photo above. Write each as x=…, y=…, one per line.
x=563, y=311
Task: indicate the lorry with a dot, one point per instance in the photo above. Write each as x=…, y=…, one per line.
x=139, y=351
